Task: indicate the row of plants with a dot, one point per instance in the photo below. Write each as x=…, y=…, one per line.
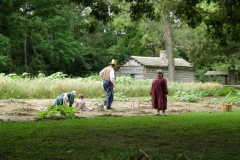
x=192, y=96
x=22, y=87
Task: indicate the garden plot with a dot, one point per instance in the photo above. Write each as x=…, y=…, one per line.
x=28, y=109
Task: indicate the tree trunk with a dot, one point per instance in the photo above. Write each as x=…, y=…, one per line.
x=169, y=48
x=25, y=54
x=231, y=77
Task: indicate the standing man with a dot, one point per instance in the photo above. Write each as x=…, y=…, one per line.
x=158, y=92
x=65, y=98
x=109, y=82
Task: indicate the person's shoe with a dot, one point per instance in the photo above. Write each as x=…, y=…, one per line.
x=104, y=103
x=110, y=108
x=157, y=114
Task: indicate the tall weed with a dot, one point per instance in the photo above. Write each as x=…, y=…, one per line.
x=50, y=87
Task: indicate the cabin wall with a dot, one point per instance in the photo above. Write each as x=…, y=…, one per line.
x=185, y=74
x=136, y=71
x=151, y=72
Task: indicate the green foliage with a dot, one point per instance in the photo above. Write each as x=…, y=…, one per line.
x=56, y=112
x=207, y=93
x=187, y=96
x=49, y=87
x=25, y=75
x=4, y=50
x=125, y=80
x=55, y=36
x=213, y=101
x=130, y=81
x=2, y=74
x=200, y=77
x=13, y=76
x=41, y=74
x=120, y=97
x=43, y=87
x=201, y=11
x=233, y=99
x=146, y=99
x=194, y=96
x=225, y=90
x=57, y=75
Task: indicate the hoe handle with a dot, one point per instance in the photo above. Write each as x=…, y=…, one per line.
x=223, y=100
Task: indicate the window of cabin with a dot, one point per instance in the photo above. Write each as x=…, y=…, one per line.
x=132, y=75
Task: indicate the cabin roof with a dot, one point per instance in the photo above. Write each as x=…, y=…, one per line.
x=215, y=73
x=157, y=61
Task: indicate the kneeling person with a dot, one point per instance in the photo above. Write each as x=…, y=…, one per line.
x=65, y=98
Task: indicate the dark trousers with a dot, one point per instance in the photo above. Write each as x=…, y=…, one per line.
x=108, y=87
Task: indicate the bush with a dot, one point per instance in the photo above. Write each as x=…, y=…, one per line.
x=225, y=90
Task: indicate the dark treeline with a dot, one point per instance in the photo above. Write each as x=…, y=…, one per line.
x=52, y=36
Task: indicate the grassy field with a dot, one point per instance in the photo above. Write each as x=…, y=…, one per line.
x=197, y=136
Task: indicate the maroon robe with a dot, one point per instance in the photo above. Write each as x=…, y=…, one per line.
x=159, y=91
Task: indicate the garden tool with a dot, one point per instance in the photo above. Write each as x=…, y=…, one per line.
x=221, y=102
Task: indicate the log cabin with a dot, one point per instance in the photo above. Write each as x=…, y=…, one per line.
x=139, y=67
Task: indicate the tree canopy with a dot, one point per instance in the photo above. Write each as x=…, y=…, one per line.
x=221, y=17
x=79, y=37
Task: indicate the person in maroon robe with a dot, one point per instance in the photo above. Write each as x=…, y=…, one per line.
x=158, y=92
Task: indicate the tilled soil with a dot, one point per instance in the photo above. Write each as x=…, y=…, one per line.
x=28, y=109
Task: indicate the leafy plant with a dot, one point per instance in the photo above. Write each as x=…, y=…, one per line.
x=146, y=99
x=187, y=96
x=13, y=75
x=212, y=101
x=225, y=90
x=55, y=112
x=25, y=75
x=232, y=99
x=2, y=74
x=119, y=97
x=40, y=74
x=58, y=75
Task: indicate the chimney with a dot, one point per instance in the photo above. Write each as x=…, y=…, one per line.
x=163, y=54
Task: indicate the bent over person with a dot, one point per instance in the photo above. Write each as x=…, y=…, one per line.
x=109, y=82
x=65, y=99
x=158, y=92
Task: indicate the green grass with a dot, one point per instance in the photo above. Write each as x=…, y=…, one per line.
x=206, y=136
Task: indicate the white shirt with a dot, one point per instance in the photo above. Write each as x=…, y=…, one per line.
x=112, y=76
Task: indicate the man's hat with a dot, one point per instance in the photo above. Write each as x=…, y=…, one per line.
x=114, y=62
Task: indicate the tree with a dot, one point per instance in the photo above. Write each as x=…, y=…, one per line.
x=104, y=11
x=205, y=52
x=219, y=41
x=222, y=21
x=4, y=50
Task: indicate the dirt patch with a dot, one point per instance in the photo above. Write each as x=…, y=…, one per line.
x=28, y=109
